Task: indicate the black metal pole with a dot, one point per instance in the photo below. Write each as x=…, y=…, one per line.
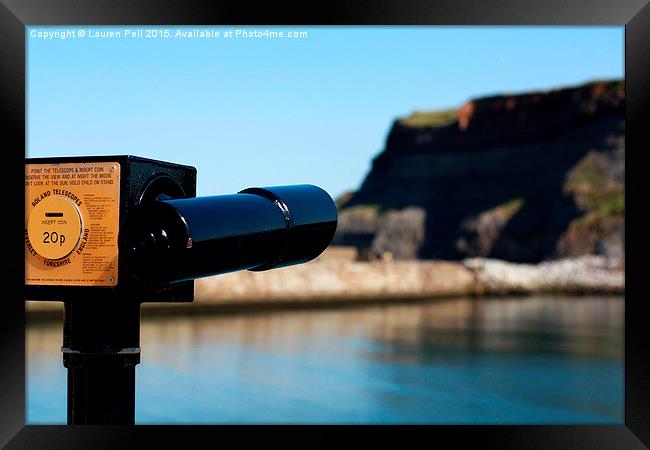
x=101, y=347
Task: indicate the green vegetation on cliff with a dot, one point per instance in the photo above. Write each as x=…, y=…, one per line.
x=419, y=119
x=602, y=200
x=590, y=179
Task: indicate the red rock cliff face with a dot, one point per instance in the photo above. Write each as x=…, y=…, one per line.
x=518, y=177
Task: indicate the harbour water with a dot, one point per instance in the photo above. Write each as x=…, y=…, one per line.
x=471, y=361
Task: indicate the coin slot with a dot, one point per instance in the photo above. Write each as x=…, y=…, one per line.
x=54, y=227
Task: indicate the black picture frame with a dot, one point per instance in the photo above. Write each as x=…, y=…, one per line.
x=15, y=15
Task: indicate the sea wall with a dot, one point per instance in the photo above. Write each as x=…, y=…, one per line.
x=334, y=280
x=338, y=278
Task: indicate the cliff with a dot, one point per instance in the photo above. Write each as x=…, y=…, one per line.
x=521, y=178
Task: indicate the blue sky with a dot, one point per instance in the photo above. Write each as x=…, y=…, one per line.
x=260, y=112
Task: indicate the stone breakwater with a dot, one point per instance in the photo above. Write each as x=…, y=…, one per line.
x=332, y=280
x=336, y=277
x=327, y=281
x=585, y=274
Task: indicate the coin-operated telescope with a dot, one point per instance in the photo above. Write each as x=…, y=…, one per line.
x=105, y=234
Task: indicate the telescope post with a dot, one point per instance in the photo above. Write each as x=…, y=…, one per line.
x=101, y=347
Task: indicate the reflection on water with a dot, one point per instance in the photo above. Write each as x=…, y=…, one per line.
x=517, y=360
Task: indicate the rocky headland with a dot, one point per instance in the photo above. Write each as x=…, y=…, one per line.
x=521, y=178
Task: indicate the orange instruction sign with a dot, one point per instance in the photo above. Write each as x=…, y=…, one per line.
x=72, y=223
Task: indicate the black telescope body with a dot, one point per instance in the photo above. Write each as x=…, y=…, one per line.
x=105, y=234
x=174, y=240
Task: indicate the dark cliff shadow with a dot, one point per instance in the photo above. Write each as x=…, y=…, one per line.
x=536, y=173
x=532, y=234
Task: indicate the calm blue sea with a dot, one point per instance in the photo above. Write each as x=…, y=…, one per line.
x=478, y=361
